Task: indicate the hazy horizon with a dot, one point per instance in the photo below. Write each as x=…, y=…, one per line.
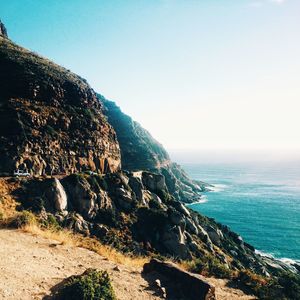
x=229, y=156
x=196, y=74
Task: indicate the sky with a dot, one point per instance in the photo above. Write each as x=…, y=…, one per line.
x=200, y=75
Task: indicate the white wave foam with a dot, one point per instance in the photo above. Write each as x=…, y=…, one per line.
x=216, y=188
x=287, y=261
x=201, y=200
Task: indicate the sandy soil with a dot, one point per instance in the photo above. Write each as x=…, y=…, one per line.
x=31, y=265
x=224, y=292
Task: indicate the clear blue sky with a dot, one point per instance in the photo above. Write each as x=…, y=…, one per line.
x=206, y=74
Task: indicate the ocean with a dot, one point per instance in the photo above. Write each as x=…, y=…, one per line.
x=261, y=202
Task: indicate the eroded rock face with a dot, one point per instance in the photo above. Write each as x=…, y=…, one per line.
x=60, y=196
x=3, y=31
x=140, y=151
x=81, y=196
x=107, y=206
x=51, y=121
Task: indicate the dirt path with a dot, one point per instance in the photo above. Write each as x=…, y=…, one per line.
x=31, y=265
x=224, y=292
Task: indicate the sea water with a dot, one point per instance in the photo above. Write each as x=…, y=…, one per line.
x=261, y=202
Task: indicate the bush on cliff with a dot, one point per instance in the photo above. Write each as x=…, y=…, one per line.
x=208, y=265
x=284, y=286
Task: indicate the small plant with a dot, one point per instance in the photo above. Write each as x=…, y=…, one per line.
x=284, y=286
x=50, y=223
x=23, y=219
x=210, y=266
x=91, y=285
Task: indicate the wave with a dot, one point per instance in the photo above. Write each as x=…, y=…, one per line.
x=216, y=188
x=201, y=200
x=288, y=261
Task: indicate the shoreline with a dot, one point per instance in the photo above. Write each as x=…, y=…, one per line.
x=293, y=264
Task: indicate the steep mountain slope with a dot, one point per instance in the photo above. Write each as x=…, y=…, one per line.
x=50, y=119
x=140, y=151
x=51, y=122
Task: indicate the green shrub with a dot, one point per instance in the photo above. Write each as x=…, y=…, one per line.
x=91, y=285
x=50, y=223
x=209, y=265
x=37, y=204
x=22, y=219
x=283, y=286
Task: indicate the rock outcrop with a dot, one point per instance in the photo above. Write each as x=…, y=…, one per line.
x=186, y=285
x=3, y=31
x=51, y=121
x=140, y=151
x=130, y=211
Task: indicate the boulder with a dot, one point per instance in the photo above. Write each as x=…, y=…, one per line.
x=55, y=196
x=103, y=201
x=137, y=187
x=191, y=286
x=176, y=217
x=124, y=199
x=181, y=208
x=154, y=182
x=191, y=227
x=77, y=223
x=60, y=197
x=99, y=230
x=215, y=235
x=173, y=240
x=83, y=199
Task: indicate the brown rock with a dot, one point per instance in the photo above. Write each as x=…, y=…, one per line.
x=192, y=286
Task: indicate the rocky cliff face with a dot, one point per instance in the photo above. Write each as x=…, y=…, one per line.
x=134, y=212
x=50, y=119
x=140, y=151
x=3, y=31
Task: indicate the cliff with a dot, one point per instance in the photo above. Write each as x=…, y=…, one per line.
x=3, y=31
x=50, y=119
x=140, y=151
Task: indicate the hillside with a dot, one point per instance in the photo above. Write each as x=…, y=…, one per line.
x=50, y=119
x=140, y=151
x=54, y=126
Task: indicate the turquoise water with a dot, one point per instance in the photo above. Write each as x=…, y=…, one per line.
x=260, y=202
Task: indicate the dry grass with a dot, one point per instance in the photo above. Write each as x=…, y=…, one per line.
x=70, y=238
x=30, y=224
x=7, y=203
